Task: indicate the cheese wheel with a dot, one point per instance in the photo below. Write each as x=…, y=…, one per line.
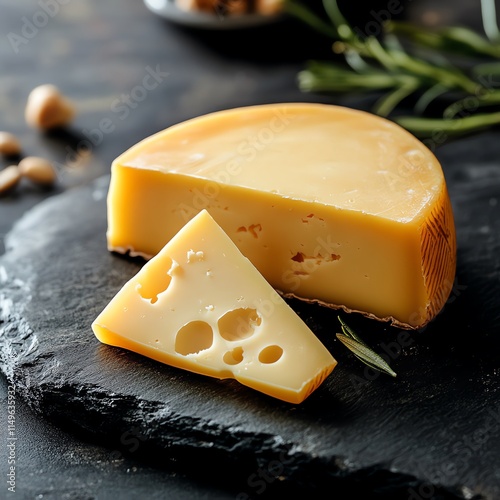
x=332, y=205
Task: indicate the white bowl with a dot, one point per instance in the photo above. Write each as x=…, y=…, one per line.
x=169, y=10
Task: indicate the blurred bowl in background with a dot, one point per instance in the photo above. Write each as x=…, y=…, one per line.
x=218, y=14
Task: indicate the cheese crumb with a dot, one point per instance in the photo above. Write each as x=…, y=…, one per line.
x=193, y=256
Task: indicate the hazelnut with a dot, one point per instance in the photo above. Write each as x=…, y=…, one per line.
x=9, y=178
x=9, y=144
x=47, y=108
x=38, y=170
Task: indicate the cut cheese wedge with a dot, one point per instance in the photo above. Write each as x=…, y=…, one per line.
x=331, y=204
x=200, y=305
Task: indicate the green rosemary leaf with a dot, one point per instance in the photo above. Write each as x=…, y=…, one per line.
x=378, y=52
x=366, y=355
x=298, y=10
x=452, y=39
x=387, y=103
x=359, y=348
x=349, y=332
x=428, y=96
x=466, y=40
x=343, y=28
x=310, y=80
x=490, y=98
x=453, y=127
x=355, y=61
x=452, y=77
x=328, y=76
x=487, y=69
x=489, y=17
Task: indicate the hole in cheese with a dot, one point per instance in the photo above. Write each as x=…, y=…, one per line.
x=234, y=356
x=156, y=279
x=270, y=354
x=310, y=217
x=255, y=229
x=304, y=265
x=317, y=260
x=194, y=337
x=298, y=257
x=239, y=324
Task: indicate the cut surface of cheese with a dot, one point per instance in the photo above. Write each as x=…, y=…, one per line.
x=331, y=204
x=200, y=305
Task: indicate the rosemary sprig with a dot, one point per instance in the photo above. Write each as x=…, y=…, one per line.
x=364, y=353
x=452, y=39
x=409, y=61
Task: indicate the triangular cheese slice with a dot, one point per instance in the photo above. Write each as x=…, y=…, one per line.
x=200, y=305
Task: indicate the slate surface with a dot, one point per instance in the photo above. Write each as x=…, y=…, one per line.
x=56, y=465
x=434, y=432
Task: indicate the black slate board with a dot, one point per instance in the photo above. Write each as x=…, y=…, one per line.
x=434, y=432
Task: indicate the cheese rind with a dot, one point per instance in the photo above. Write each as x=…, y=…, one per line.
x=200, y=305
x=331, y=204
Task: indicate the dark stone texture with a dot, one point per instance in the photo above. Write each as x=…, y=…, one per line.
x=55, y=465
x=436, y=428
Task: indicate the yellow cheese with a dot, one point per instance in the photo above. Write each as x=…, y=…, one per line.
x=331, y=204
x=199, y=304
